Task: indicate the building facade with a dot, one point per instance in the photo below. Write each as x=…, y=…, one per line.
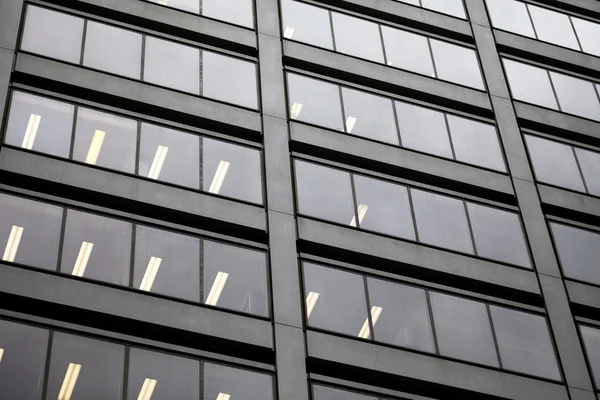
x=300, y=199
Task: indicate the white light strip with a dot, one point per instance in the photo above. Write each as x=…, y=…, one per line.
x=157, y=163
x=223, y=396
x=289, y=32
x=150, y=274
x=66, y=390
x=163, y=2
x=311, y=301
x=365, y=332
x=95, y=147
x=362, y=211
x=350, y=122
x=12, y=245
x=147, y=389
x=82, y=258
x=217, y=182
x=1, y=354
x=31, y=132
x=296, y=108
x=217, y=288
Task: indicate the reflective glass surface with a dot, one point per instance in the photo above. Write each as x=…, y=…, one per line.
x=576, y=96
x=407, y=51
x=588, y=34
x=224, y=383
x=172, y=65
x=306, y=23
x=229, y=79
x=591, y=339
x=456, y=64
x=510, y=15
x=553, y=27
x=578, y=251
x=589, y=161
x=329, y=393
x=185, y=5
x=357, y=37
x=315, y=102
x=530, y=84
x=450, y=7
x=239, y=12
x=476, y=143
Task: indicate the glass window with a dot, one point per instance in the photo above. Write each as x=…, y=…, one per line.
x=357, y=37
x=511, y=16
x=403, y=315
x=167, y=263
x=530, y=84
x=442, y=221
x=22, y=360
x=451, y=7
x=230, y=170
x=369, y=116
x=329, y=393
x=456, y=64
x=423, y=129
x=186, y=5
x=407, y=51
x=463, y=329
x=82, y=368
x=40, y=124
x=170, y=156
x=578, y=251
x=553, y=27
x=229, y=79
x=413, y=2
x=498, y=235
x=29, y=231
x=524, y=343
x=324, y=193
x=476, y=143
x=235, y=278
x=588, y=34
x=576, y=96
x=41, y=36
x=315, y=102
x=591, y=339
x=335, y=301
x=105, y=140
x=544, y=156
x=238, y=12
x=221, y=382
x=172, y=65
x=383, y=207
x=162, y=376
x=589, y=161
x=97, y=247
x=307, y=24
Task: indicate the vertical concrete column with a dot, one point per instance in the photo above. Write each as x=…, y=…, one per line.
x=10, y=18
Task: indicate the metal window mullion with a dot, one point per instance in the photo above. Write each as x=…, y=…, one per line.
x=496, y=345
x=470, y=226
x=579, y=169
x=369, y=316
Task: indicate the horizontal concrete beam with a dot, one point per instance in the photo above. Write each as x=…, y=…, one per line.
x=582, y=294
x=569, y=201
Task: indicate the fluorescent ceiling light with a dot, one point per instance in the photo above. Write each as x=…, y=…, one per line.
x=217, y=288
x=362, y=211
x=82, y=258
x=311, y=301
x=217, y=182
x=1, y=354
x=12, y=245
x=147, y=389
x=296, y=108
x=69, y=382
x=365, y=332
x=223, y=396
x=150, y=274
x=95, y=147
x=390, y=63
x=31, y=132
x=157, y=163
x=289, y=32
x=350, y=122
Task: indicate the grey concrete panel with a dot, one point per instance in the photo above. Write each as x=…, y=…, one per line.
x=428, y=371
x=568, y=200
x=578, y=394
x=6, y=64
x=291, y=363
x=585, y=295
x=267, y=14
x=10, y=17
x=490, y=61
x=280, y=196
x=372, y=153
x=271, y=77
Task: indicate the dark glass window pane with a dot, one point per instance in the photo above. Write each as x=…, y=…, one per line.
x=590, y=166
x=529, y=84
x=511, y=16
x=407, y=51
x=450, y=7
x=86, y=368
x=383, y=207
x=236, y=383
x=498, y=235
x=441, y=221
x=324, y=193
x=307, y=24
x=22, y=360
x=105, y=140
x=186, y=5
x=463, y=329
x=170, y=156
x=456, y=64
x=41, y=36
x=578, y=251
x=591, y=339
x=335, y=301
x=235, y=11
x=96, y=247
x=154, y=375
x=167, y=263
x=403, y=315
x=230, y=170
x=315, y=102
x=172, y=65
x=553, y=27
x=229, y=79
x=40, y=124
x=357, y=37
x=544, y=155
x=476, y=143
x=576, y=96
x=423, y=129
x=113, y=50
x=369, y=116
x=524, y=343
x=329, y=393
x=588, y=34
x=235, y=278
x=29, y=231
